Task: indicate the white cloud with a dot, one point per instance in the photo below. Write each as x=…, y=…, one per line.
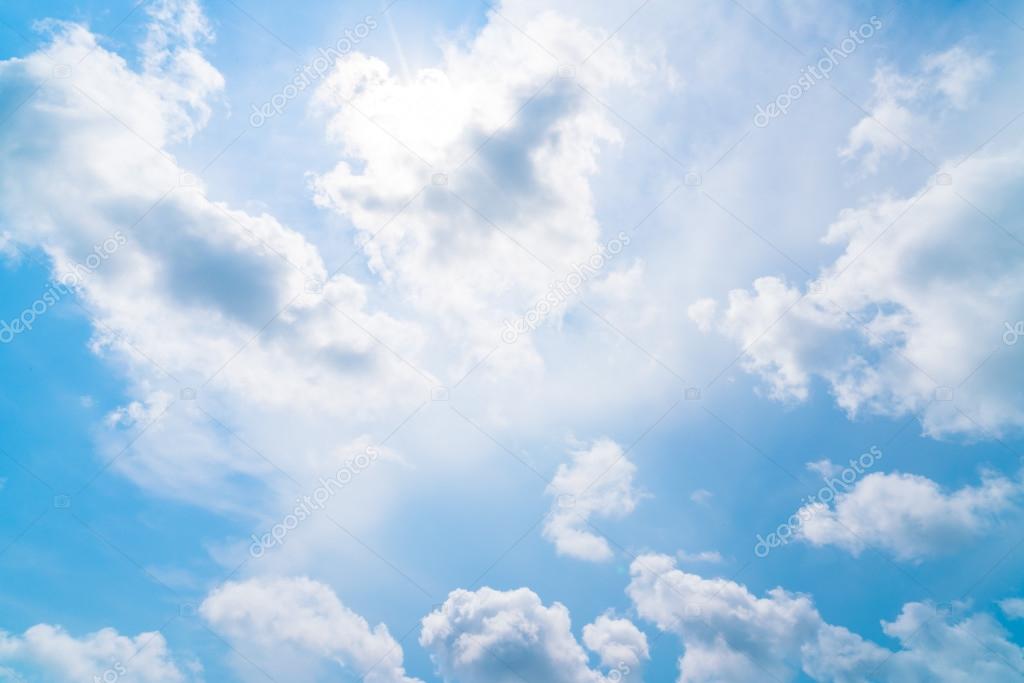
x=702, y=496
x=491, y=636
x=902, y=104
x=975, y=648
x=715, y=616
x=890, y=124
x=908, y=516
x=619, y=645
x=517, y=145
x=49, y=654
x=957, y=72
x=910, y=318
x=173, y=62
x=1013, y=608
x=825, y=468
x=297, y=629
x=712, y=556
x=597, y=482
x=732, y=636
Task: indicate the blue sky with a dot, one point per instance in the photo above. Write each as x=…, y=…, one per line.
x=204, y=321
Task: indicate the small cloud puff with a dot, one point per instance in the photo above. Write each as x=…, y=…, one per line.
x=597, y=482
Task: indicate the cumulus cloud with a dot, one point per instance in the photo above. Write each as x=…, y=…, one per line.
x=298, y=629
x=597, y=482
x=908, y=516
x=731, y=635
x=491, y=636
x=49, y=654
x=910, y=318
x=619, y=644
x=473, y=207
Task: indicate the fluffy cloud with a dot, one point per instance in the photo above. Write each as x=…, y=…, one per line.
x=298, y=629
x=907, y=515
x=187, y=294
x=49, y=654
x=597, y=482
x=474, y=206
x=731, y=635
x=910, y=318
x=619, y=644
x=491, y=636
